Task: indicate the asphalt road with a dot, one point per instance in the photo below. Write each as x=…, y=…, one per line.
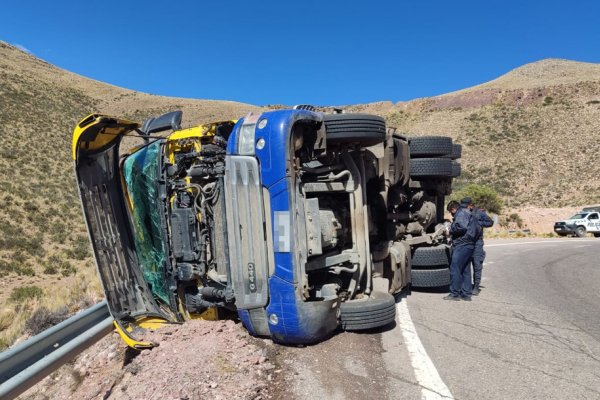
x=533, y=333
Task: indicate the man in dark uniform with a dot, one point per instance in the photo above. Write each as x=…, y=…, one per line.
x=478, y=254
x=464, y=232
x=453, y=207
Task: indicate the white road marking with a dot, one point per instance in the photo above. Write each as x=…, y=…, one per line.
x=432, y=386
x=542, y=242
x=428, y=377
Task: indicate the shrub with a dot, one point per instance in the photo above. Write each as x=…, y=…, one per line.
x=516, y=218
x=482, y=196
x=512, y=219
x=67, y=269
x=6, y=267
x=43, y=319
x=6, y=319
x=81, y=248
x=30, y=207
x=24, y=293
x=59, y=232
x=50, y=269
x=56, y=264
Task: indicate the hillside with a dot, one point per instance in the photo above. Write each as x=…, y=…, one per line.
x=532, y=134
x=43, y=240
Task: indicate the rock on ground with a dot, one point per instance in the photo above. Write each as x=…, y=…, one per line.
x=195, y=360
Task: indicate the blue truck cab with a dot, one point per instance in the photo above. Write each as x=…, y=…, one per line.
x=265, y=227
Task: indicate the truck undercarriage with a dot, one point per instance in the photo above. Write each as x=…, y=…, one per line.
x=301, y=222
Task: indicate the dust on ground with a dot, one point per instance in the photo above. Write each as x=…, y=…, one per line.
x=196, y=360
x=541, y=220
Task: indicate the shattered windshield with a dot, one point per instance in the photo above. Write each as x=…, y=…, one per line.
x=141, y=171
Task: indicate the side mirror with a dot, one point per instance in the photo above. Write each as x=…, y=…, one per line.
x=171, y=120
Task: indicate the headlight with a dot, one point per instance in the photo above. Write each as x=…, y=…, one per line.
x=246, y=135
x=246, y=139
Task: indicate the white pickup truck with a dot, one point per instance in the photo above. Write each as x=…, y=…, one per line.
x=587, y=220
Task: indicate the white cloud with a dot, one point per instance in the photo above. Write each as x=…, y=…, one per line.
x=23, y=48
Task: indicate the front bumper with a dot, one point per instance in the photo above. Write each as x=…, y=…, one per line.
x=564, y=229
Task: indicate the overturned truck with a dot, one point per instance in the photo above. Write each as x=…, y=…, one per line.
x=297, y=221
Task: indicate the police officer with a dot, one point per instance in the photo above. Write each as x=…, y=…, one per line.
x=464, y=231
x=453, y=207
x=478, y=254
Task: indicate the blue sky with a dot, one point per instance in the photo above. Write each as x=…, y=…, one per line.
x=317, y=52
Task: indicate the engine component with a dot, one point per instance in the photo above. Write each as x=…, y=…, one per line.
x=188, y=272
x=196, y=303
x=207, y=170
x=324, y=226
x=399, y=161
x=183, y=234
x=426, y=213
x=331, y=228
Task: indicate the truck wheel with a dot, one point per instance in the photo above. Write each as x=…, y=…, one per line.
x=433, y=256
x=430, y=278
x=368, y=313
x=456, y=152
x=354, y=128
x=597, y=235
x=456, y=169
x=580, y=231
x=421, y=168
x=430, y=146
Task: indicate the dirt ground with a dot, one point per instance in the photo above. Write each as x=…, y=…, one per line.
x=195, y=360
x=541, y=220
x=200, y=359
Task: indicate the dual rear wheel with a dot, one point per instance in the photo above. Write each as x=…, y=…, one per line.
x=375, y=311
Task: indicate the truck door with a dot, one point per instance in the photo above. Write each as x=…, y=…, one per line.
x=593, y=224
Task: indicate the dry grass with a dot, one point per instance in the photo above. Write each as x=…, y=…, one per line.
x=43, y=240
x=532, y=134
x=79, y=293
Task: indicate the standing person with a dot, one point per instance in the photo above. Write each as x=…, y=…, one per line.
x=479, y=254
x=453, y=207
x=464, y=232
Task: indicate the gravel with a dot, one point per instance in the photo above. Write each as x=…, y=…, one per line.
x=195, y=360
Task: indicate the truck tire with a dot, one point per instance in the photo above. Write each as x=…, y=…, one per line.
x=368, y=313
x=456, y=169
x=354, y=128
x=430, y=146
x=580, y=231
x=456, y=152
x=597, y=235
x=430, y=278
x=421, y=168
x=433, y=256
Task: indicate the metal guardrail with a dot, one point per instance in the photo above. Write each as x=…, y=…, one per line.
x=29, y=362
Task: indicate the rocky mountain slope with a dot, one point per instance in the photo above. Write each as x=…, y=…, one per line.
x=532, y=134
